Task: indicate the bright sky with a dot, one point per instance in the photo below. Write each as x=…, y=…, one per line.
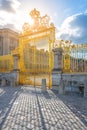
x=68, y=16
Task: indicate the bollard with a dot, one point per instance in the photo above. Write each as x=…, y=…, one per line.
x=61, y=88
x=43, y=85
x=13, y=82
x=3, y=84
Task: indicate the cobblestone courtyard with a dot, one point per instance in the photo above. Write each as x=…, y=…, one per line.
x=27, y=108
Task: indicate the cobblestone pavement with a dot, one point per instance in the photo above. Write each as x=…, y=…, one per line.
x=27, y=108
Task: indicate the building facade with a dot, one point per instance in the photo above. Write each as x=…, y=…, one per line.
x=8, y=41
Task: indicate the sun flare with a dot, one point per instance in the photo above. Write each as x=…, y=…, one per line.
x=21, y=19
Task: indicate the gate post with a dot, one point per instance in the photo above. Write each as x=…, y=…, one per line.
x=15, y=71
x=57, y=70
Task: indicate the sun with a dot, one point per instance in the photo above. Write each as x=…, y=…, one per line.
x=30, y=20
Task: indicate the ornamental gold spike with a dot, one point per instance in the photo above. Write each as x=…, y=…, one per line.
x=40, y=22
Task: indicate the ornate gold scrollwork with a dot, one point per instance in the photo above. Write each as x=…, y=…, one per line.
x=39, y=23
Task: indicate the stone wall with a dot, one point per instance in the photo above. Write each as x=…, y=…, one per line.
x=11, y=79
x=62, y=82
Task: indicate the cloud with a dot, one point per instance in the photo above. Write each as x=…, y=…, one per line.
x=9, y=5
x=10, y=26
x=74, y=28
x=7, y=22
x=9, y=14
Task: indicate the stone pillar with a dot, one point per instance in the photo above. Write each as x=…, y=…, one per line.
x=58, y=58
x=43, y=85
x=3, y=82
x=56, y=72
x=15, y=78
x=16, y=61
x=15, y=72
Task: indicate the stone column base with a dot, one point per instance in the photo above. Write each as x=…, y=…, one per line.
x=56, y=78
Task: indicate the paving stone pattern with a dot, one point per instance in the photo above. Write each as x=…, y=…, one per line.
x=27, y=108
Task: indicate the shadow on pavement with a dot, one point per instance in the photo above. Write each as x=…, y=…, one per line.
x=46, y=95
x=76, y=103
x=8, y=96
